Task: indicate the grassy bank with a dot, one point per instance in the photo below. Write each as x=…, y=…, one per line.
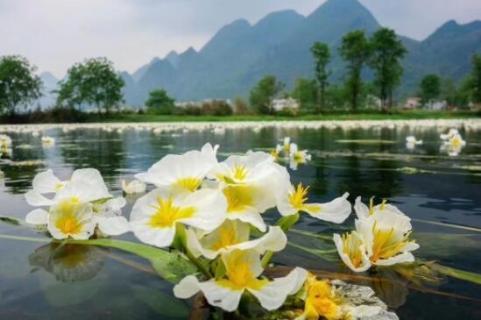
x=401, y=115
x=134, y=117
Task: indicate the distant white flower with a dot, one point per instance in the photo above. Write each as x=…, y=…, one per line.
x=5, y=141
x=297, y=156
x=286, y=146
x=155, y=216
x=293, y=200
x=454, y=145
x=451, y=133
x=243, y=273
x=232, y=235
x=134, y=186
x=412, y=142
x=48, y=141
x=182, y=173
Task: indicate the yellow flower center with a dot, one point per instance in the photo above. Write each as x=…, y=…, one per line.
x=227, y=236
x=240, y=172
x=239, y=275
x=456, y=142
x=298, y=197
x=68, y=222
x=190, y=184
x=352, y=248
x=239, y=197
x=59, y=186
x=299, y=157
x=386, y=244
x=167, y=214
x=320, y=301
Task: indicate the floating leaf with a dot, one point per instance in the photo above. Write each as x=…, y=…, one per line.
x=458, y=274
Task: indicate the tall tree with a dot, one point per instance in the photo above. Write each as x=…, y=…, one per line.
x=322, y=57
x=93, y=82
x=355, y=50
x=160, y=102
x=476, y=79
x=306, y=93
x=263, y=93
x=387, y=51
x=18, y=83
x=430, y=88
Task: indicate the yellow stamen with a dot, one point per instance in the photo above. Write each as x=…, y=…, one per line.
x=68, y=222
x=227, y=237
x=239, y=197
x=298, y=197
x=385, y=243
x=168, y=214
x=240, y=172
x=239, y=274
x=320, y=301
x=351, y=246
x=190, y=184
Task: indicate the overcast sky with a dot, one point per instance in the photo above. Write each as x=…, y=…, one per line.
x=53, y=34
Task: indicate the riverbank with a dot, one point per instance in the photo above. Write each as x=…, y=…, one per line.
x=80, y=117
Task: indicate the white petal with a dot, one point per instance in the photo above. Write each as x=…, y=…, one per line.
x=210, y=209
x=37, y=200
x=113, y=226
x=273, y=295
x=37, y=217
x=365, y=265
x=159, y=237
x=251, y=217
x=46, y=182
x=362, y=211
x=275, y=240
x=335, y=211
x=186, y=288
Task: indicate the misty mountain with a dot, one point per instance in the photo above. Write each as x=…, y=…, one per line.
x=240, y=54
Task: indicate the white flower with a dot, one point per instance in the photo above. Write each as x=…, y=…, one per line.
x=134, y=186
x=249, y=184
x=293, y=200
x=412, y=142
x=181, y=173
x=381, y=238
x=286, y=146
x=48, y=141
x=77, y=206
x=155, y=216
x=5, y=141
x=451, y=133
x=232, y=235
x=454, y=145
x=243, y=271
x=297, y=156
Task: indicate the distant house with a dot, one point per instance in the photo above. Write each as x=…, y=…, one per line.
x=412, y=103
x=436, y=105
x=282, y=104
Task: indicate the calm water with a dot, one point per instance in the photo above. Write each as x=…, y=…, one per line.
x=40, y=281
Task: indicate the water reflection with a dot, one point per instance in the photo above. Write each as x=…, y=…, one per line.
x=68, y=262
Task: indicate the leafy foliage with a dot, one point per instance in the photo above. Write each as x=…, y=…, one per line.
x=93, y=82
x=386, y=54
x=430, y=88
x=18, y=83
x=159, y=102
x=322, y=57
x=263, y=93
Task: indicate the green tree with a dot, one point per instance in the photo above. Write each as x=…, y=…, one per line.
x=387, y=51
x=18, y=83
x=306, y=93
x=93, y=82
x=159, y=102
x=322, y=57
x=476, y=78
x=430, y=88
x=263, y=93
x=355, y=50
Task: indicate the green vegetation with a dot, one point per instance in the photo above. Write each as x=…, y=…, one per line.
x=322, y=56
x=93, y=82
x=159, y=102
x=386, y=54
x=18, y=83
x=263, y=93
x=355, y=50
x=430, y=88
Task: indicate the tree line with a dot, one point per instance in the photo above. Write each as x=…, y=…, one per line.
x=95, y=83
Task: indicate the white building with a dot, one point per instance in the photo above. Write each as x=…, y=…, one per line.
x=281, y=104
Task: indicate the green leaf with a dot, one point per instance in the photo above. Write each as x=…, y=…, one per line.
x=10, y=220
x=458, y=274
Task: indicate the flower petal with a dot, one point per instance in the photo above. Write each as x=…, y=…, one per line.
x=46, y=182
x=113, y=226
x=335, y=211
x=37, y=217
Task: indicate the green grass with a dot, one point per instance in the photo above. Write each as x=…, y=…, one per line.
x=398, y=115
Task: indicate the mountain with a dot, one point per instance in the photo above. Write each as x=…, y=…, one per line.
x=240, y=54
